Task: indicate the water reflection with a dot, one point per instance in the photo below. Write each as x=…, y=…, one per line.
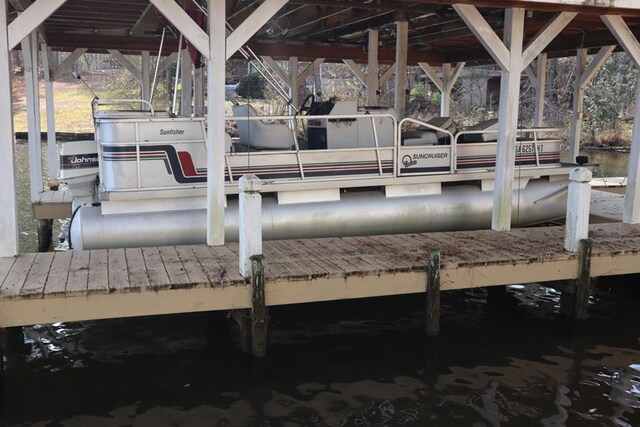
x=355, y=365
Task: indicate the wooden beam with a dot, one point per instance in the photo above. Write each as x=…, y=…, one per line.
x=545, y=35
x=631, y=212
x=583, y=76
x=122, y=60
x=31, y=19
x=32, y=92
x=8, y=189
x=294, y=89
x=68, y=62
x=373, y=67
x=484, y=33
x=596, y=63
x=216, y=199
x=277, y=69
x=186, y=84
x=50, y=113
x=508, y=120
x=252, y=24
x=402, y=47
x=433, y=75
x=387, y=74
x=356, y=70
x=310, y=69
x=145, y=70
x=540, y=83
x=624, y=35
x=183, y=22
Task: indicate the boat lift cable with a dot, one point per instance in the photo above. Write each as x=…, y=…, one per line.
x=258, y=64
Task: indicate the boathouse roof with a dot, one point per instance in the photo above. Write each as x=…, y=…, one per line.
x=336, y=29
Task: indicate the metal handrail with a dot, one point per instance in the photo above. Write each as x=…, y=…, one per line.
x=114, y=101
x=376, y=148
x=432, y=127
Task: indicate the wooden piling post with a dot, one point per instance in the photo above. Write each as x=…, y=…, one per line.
x=578, y=201
x=583, y=288
x=433, y=294
x=45, y=234
x=3, y=340
x=250, y=227
x=259, y=313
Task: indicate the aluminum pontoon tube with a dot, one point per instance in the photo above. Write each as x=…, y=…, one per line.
x=363, y=213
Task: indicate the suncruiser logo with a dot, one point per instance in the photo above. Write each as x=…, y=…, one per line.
x=171, y=131
x=407, y=162
x=413, y=159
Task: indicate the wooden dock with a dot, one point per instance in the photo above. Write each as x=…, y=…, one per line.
x=52, y=205
x=81, y=285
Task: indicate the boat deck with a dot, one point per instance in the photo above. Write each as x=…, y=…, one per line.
x=83, y=285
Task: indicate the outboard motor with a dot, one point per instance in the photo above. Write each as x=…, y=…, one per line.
x=79, y=170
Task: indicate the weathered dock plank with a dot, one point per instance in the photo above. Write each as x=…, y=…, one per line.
x=156, y=271
x=37, y=278
x=56, y=283
x=98, y=272
x=117, y=270
x=17, y=275
x=69, y=286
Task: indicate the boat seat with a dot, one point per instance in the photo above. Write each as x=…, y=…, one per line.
x=424, y=135
x=491, y=124
x=260, y=135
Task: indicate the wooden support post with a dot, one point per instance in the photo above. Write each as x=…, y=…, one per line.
x=8, y=188
x=50, y=114
x=259, y=313
x=198, y=92
x=294, y=86
x=540, y=84
x=626, y=38
x=433, y=294
x=250, y=211
x=32, y=89
x=445, y=84
x=583, y=76
x=513, y=58
x=578, y=105
x=402, y=43
x=242, y=319
x=508, y=121
x=145, y=70
x=3, y=340
x=216, y=198
x=578, y=201
x=45, y=234
x=373, y=69
x=186, y=87
x=583, y=288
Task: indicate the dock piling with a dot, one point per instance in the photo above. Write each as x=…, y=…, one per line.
x=250, y=211
x=45, y=234
x=578, y=201
x=583, y=288
x=259, y=313
x=433, y=293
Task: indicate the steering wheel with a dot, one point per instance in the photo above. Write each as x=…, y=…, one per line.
x=306, y=105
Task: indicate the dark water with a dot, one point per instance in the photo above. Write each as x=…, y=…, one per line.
x=358, y=363
x=363, y=363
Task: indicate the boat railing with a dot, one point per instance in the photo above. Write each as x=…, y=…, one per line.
x=431, y=127
x=377, y=149
x=97, y=103
x=520, y=145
